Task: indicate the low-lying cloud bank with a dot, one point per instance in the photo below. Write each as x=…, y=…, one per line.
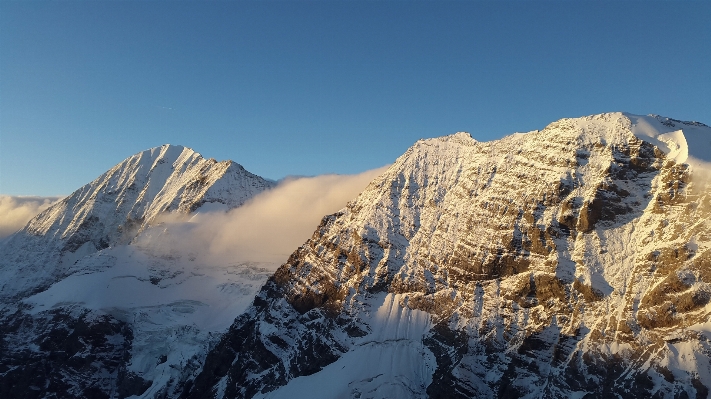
x=266, y=229
x=16, y=211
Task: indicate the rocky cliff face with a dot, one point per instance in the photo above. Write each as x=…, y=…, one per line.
x=574, y=261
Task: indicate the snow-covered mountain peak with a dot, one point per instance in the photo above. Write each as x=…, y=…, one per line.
x=461, y=138
x=681, y=141
x=170, y=151
x=118, y=205
x=571, y=261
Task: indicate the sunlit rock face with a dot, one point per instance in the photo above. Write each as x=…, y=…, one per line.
x=574, y=261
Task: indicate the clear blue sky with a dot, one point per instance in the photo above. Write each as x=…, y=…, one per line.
x=308, y=87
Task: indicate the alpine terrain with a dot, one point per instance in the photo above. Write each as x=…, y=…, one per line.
x=570, y=262
x=83, y=314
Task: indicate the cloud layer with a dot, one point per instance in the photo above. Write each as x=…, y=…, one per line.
x=266, y=229
x=16, y=211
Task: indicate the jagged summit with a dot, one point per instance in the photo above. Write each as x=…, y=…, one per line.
x=168, y=149
x=461, y=137
x=682, y=141
x=161, y=179
x=671, y=122
x=118, y=205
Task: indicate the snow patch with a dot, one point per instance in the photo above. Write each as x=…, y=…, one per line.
x=391, y=362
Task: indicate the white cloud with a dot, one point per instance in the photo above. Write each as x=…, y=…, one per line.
x=266, y=229
x=16, y=211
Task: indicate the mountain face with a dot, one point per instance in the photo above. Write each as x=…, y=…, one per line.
x=114, y=208
x=574, y=261
x=88, y=310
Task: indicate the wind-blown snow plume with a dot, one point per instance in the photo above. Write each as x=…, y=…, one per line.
x=16, y=211
x=266, y=229
x=690, y=144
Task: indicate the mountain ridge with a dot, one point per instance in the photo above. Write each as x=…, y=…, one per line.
x=528, y=255
x=572, y=261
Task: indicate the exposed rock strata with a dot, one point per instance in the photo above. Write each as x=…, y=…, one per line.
x=568, y=262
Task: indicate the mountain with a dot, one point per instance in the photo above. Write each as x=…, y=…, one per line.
x=89, y=307
x=574, y=261
x=115, y=207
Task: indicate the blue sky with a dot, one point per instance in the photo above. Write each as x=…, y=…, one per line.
x=309, y=87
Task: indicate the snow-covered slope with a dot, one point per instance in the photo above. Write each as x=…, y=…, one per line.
x=574, y=261
x=163, y=313
x=114, y=208
x=89, y=308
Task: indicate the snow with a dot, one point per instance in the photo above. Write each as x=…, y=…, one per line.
x=391, y=362
x=684, y=142
x=704, y=328
x=175, y=304
x=444, y=197
x=115, y=207
x=124, y=278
